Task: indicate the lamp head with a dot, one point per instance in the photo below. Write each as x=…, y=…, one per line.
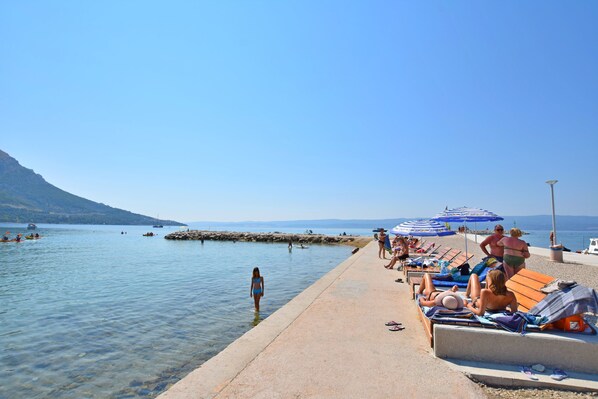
x=551, y=182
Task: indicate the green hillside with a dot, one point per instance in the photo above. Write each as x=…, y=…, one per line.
x=25, y=197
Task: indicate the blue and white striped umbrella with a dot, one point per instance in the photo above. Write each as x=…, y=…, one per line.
x=421, y=228
x=466, y=214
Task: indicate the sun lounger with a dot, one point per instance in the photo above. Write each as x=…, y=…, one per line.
x=460, y=260
x=461, y=281
x=439, y=253
x=450, y=255
x=525, y=285
x=424, y=248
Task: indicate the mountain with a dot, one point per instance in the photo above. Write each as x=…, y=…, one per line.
x=26, y=197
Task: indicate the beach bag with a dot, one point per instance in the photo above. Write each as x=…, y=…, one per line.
x=464, y=269
x=574, y=323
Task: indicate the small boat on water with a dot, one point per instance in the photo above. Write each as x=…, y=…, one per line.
x=31, y=226
x=593, y=248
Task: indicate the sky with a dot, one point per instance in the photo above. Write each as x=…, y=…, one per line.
x=237, y=110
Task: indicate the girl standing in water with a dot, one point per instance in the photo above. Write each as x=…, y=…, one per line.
x=257, y=288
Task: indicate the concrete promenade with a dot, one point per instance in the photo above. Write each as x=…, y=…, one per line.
x=331, y=342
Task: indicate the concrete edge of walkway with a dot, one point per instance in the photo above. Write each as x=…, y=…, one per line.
x=215, y=374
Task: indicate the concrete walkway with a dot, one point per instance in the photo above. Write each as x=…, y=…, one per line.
x=331, y=342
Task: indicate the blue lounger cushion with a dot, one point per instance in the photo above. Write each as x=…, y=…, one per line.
x=461, y=281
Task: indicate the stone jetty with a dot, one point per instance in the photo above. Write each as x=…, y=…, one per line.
x=268, y=237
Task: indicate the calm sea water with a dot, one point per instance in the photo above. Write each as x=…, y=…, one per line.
x=574, y=240
x=87, y=312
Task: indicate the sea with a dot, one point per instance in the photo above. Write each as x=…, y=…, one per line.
x=104, y=312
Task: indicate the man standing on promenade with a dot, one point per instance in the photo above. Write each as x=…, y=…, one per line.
x=492, y=240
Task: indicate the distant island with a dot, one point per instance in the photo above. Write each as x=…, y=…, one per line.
x=25, y=197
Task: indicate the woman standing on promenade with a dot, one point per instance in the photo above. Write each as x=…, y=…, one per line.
x=381, y=240
x=516, y=252
x=257, y=288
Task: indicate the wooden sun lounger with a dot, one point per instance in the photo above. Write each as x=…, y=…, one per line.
x=415, y=271
x=423, y=246
x=460, y=260
x=450, y=255
x=525, y=285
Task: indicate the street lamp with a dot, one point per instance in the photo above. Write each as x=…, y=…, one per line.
x=556, y=255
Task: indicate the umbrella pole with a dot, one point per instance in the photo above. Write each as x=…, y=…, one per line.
x=465, y=240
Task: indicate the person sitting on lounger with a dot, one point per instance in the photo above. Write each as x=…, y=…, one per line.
x=495, y=298
x=433, y=297
x=400, y=251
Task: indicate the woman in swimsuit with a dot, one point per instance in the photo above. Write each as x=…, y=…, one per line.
x=495, y=298
x=257, y=288
x=433, y=297
x=516, y=252
x=400, y=252
x=381, y=240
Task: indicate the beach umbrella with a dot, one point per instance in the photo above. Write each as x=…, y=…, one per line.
x=421, y=228
x=464, y=215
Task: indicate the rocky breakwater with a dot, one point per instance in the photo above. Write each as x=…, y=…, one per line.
x=267, y=237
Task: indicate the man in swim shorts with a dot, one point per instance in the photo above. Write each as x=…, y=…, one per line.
x=496, y=251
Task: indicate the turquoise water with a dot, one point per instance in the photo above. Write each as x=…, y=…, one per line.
x=87, y=312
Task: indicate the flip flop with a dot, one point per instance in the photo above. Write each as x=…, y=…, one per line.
x=396, y=328
x=392, y=323
x=528, y=372
x=558, y=374
x=399, y=280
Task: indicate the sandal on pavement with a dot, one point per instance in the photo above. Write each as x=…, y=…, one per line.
x=558, y=374
x=528, y=372
x=399, y=280
x=392, y=323
x=396, y=328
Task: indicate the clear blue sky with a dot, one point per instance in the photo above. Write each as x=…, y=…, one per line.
x=255, y=110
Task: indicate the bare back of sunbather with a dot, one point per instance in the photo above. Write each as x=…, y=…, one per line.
x=495, y=298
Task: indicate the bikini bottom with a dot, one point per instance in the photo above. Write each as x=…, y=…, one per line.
x=514, y=261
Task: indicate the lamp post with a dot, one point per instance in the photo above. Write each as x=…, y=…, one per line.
x=556, y=253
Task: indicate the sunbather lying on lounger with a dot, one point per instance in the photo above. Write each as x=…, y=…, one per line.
x=494, y=298
x=433, y=297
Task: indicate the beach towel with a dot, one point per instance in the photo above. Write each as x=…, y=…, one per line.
x=513, y=322
x=387, y=244
x=566, y=302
